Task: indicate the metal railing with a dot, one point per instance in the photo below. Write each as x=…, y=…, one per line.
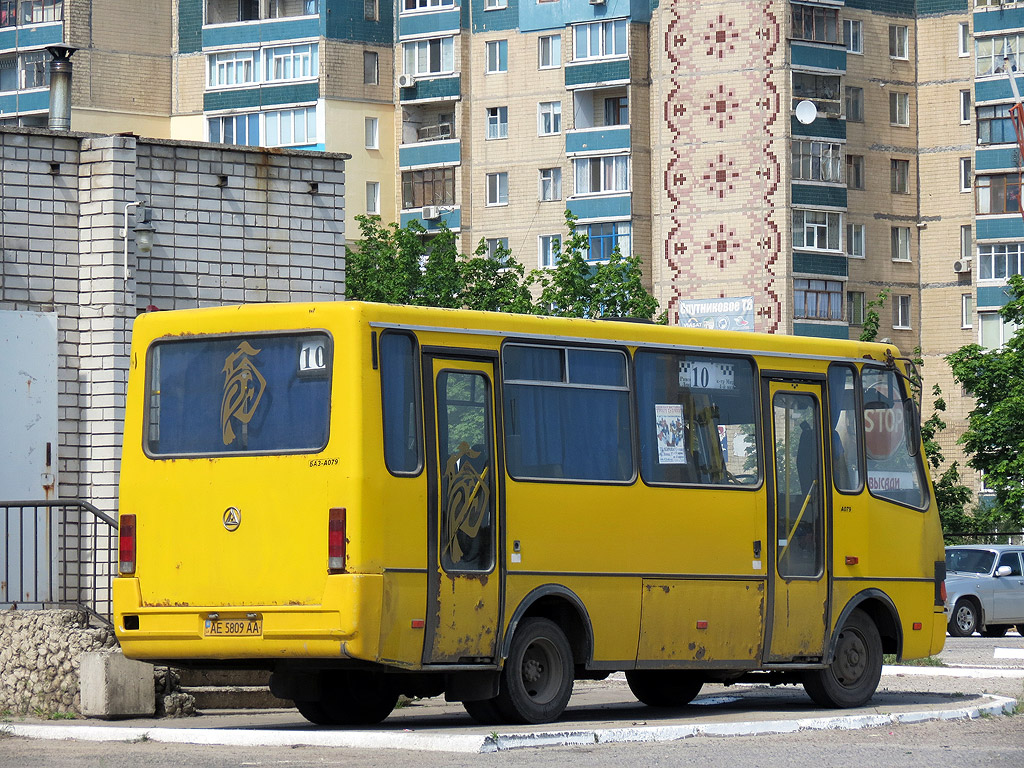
x=986, y=537
x=58, y=553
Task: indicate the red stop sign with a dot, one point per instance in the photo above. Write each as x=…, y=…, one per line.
x=884, y=432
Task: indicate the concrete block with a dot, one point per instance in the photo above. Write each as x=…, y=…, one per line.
x=113, y=686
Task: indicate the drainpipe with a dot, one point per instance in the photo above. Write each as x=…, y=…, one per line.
x=60, y=87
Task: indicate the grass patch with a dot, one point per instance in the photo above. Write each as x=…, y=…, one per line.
x=928, y=661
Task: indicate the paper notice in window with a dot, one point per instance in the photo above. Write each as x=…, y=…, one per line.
x=671, y=434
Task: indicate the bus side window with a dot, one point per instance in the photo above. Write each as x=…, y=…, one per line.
x=400, y=412
x=847, y=472
x=696, y=419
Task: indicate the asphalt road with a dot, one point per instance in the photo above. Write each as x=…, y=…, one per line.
x=988, y=741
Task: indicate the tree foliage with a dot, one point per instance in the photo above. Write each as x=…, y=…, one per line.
x=408, y=265
x=872, y=316
x=994, y=438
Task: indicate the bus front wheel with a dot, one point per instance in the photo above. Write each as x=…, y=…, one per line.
x=852, y=677
x=664, y=688
x=350, y=698
x=536, y=682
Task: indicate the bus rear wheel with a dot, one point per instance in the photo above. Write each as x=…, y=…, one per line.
x=350, y=698
x=664, y=688
x=852, y=677
x=536, y=682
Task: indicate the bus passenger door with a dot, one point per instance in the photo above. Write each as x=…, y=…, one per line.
x=796, y=511
x=464, y=592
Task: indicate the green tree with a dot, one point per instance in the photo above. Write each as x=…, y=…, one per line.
x=872, y=317
x=619, y=290
x=994, y=438
x=442, y=282
x=386, y=266
x=495, y=283
x=951, y=495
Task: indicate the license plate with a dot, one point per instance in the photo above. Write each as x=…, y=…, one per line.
x=233, y=627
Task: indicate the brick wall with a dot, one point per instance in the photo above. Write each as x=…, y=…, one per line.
x=232, y=225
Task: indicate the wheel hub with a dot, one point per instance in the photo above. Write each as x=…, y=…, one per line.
x=851, y=658
x=533, y=670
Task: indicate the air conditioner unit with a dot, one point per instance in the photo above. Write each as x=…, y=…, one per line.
x=406, y=81
x=597, y=2
x=962, y=265
x=430, y=212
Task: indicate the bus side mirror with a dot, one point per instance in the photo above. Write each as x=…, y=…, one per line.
x=912, y=424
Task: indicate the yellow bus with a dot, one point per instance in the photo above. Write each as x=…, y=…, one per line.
x=374, y=500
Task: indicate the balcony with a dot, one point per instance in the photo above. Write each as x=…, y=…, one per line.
x=426, y=88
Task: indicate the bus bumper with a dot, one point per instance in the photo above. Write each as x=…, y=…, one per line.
x=345, y=625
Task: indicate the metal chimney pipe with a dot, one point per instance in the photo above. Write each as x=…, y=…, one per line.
x=60, y=87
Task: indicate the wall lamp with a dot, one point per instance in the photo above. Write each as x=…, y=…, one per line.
x=143, y=232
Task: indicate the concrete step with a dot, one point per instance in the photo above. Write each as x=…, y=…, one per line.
x=194, y=677
x=235, y=697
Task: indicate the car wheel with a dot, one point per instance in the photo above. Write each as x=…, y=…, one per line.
x=852, y=677
x=664, y=688
x=995, y=630
x=964, y=621
x=536, y=682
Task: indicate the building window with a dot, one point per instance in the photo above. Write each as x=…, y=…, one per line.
x=292, y=62
x=823, y=90
x=497, y=189
x=966, y=242
x=855, y=307
x=998, y=262
x=817, y=160
x=291, y=127
x=370, y=10
x=430, y=186
x=550, y=184
x=231, y=11
x=372, y=132
x=854, y=104
x=994, y=332
x=41, y=11
x=35, y=70
x=8, y=13
x=605, y=237
x=964, y=39
x=494, y=5
x=602, y=174
x=901, y=311
x=998, y=194
x=549, y=52
x=898, y=42
x=616, y=110
x=232, y=68
x=497, y=247
x=817, y=230
x=996, y=55
x=813, y=22
x=853, y=36
x=497, y=56
x=548, y=247
x=419, y=5
x=965, y=107
x=817, y=299
x=430, y=57
x=243, y=130
x=899, y=108
x=855, y=241
x=899, y=176
x=899, y=241
x=995, y=125
x=373, y=197
x=371, y=68
x=600, y=39
x=855, y=171
x=966, y=310
x=9, y=72
x=497, y=122
x=965, y=174
x=549, y=118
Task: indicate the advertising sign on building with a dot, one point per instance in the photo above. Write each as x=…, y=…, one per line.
x=726, y=314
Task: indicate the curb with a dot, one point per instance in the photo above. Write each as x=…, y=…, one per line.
x=467, y=743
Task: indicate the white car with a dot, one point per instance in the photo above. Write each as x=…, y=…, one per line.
x=984, y=589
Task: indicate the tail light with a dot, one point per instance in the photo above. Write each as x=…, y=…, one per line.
x=942, y=592
x=126, y=545
x=336, y=541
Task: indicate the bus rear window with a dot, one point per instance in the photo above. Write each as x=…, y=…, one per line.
x=239, y=394
x=893, y=473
